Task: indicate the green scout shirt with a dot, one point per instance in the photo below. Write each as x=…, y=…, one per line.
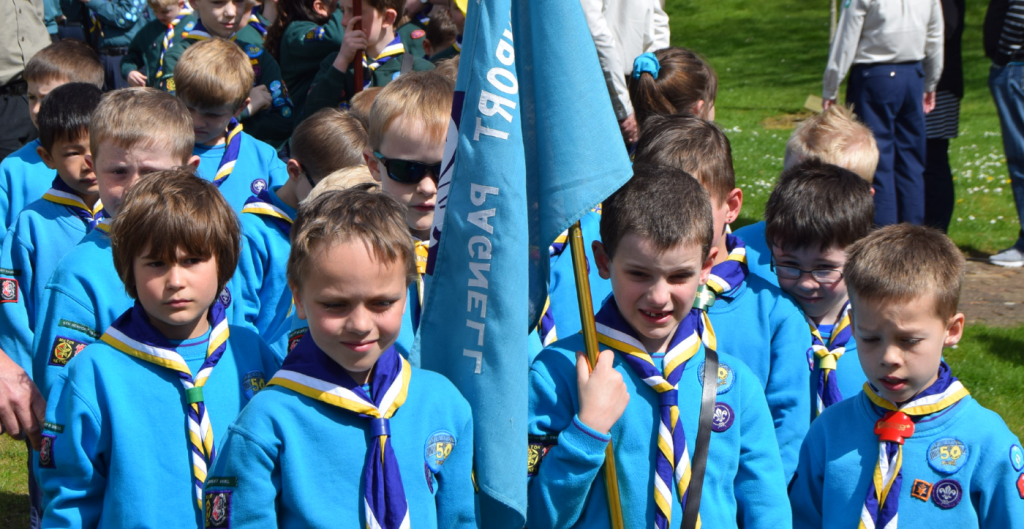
x=412, y=34
x=272, y=125
x=119, y=20
x=332, y=87
x=303, y=45
x=144, y=52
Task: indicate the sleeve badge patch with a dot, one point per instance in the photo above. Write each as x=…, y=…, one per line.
x=63, y=350
x=46, y=451
x=726, y=377
x=218, y=508
x=723, y=418
x=253, y=50
x=947, y=493
x=1020, y=486
x=295, y=336
x=947, y=455
x=418, y=34
x=921, y=490
x=539, y=447
x=8, y=290
x=225, y=297
x=190, y=25
x=439, y=446
x=1017, y=458
x=252, y=383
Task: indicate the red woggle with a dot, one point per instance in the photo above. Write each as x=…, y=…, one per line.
x=894, y=427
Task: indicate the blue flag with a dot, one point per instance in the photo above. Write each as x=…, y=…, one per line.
x=533, y=145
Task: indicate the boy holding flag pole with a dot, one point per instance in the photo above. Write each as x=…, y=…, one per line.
x=512, y=187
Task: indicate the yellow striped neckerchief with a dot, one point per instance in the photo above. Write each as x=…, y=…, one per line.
x=133, y=335
x=264, y=204
x=421, y=254
x=672, y=466
x=232, y=146
x=827, y=354
x=168, y=39
x=199, y=32
x=61, y=193
x=308, y=371
x=105, y=225
x=547, y=329
x=881, y=506
x=729, y=274
x=392, y=50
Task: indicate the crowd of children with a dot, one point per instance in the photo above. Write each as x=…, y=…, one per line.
x=213, y=275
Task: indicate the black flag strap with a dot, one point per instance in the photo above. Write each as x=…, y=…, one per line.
x=699, y=462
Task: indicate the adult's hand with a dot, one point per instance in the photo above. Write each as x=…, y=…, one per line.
x=136, y=78
x=929, y=102
x=630, y=131
x=22, y=407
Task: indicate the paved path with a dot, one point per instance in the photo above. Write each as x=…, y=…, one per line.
x=993, y=295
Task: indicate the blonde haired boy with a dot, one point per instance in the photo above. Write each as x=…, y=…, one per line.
x=143, y=64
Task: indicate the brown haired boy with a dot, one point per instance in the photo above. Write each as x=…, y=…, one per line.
x=345, y=385
x=913, y=445
x=385, y=57
x=755, y=321
x=175, y=243
x=23, y=175
x=143, y=64
x=214, y=81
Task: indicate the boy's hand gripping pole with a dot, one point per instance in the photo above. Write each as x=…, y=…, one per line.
x=579, y=266
x=357, y=62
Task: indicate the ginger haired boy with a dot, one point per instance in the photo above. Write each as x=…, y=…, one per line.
x=345, y=385
x=755, y=321
x=914, y=446
x=147, y=405
x=644, y=395
x=23, y=175
x=214, y=79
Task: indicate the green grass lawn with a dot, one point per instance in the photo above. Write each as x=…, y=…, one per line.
x=770, y=55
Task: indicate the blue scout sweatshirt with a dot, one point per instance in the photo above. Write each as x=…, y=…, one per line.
x=257, y=168
x=23, y=180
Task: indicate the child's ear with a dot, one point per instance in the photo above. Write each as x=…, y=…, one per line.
x=371, y=163
x=193, y=4
x=294, y=169
x=320, y=7
x=48, y=160
x=705, y=269
x=428, y=48
x=954, y=330
x=390, y=16
x=602, y=260
x=735, y=202
x=300, y=309
x=238, y=113
x=193, y=162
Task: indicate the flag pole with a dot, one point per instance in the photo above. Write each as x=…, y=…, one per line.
x=357, y=62
x=579, y=265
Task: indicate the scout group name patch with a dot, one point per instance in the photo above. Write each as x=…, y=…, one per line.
x=63, y=350
x=218, y=508
x=8, y=290
x=538, y=448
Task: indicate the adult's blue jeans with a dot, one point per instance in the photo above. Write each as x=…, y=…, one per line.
x=1007, y=86
x=888, y=99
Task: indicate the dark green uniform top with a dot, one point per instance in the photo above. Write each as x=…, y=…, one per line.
x=303, y=45
x=447, y=53
x=112, y=23
x=247, y=35
x=144, y=52
x=333, y=88
x=273, y=125
x=412, y=34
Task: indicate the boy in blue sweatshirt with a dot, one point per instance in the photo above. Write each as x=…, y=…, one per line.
x=166, y=378
x=408, y=126
x=644, y=395
x=809, y=246
x=325, y=142
x=756, y=322
x=23, y=175
x=51, y=226
x=345, y=403
x=834, y=136
x=913, y=446
x=213, y=79
x=133, y=131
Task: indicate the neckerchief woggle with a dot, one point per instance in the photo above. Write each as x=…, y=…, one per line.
x=421, y=254
x=168, y=38
x=61, y=193
x=548, y=331
x=827, y=355
x=232, y=146
x=263, y=204
x=881, y=507
x=393, y=49
x=729, y=274
x=672, y=465
x=308, y=371
x=134, y=335
x=199, y=33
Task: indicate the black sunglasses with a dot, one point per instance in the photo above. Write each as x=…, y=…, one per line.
x=407, y=171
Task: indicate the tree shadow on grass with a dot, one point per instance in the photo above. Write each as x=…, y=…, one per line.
x=13, y=509
x=1008, y=348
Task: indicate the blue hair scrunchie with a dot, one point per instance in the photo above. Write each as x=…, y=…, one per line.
x=646, y=62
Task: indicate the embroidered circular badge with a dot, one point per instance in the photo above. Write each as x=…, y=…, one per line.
x=947, y=455
x=286, y=111
x=257, y=186
x=225, y=297
x=190, y=25
x=726, y=377
x=252, y=383
x=1017, y=457
x=418, y=34
x=253, y=51
x=275, y=86
x=437, y=449
x=279, y=102
x=947, y=493
x=723, y=417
